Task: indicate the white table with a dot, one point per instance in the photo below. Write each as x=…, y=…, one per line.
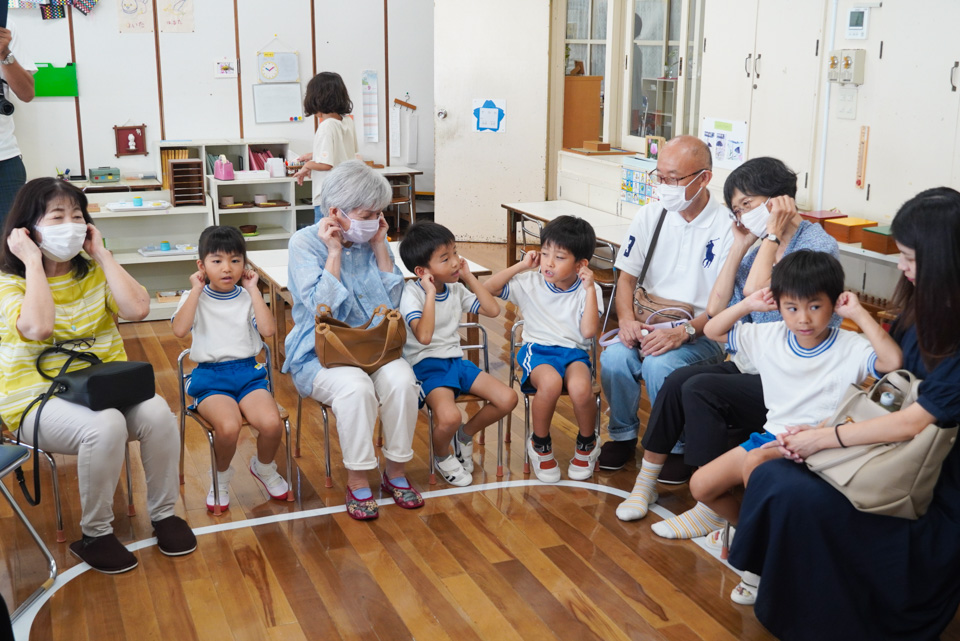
x=271, y=265
x=608, y=227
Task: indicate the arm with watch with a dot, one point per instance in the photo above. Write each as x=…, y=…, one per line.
x=661, y=341
x=781, y=225
x=19, y=79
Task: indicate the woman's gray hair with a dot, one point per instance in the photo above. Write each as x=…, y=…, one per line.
x=353, y=185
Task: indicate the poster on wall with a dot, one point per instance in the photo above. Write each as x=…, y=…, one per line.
x=175, y=16
x=727, y=140
x=278, y=66
x=135, y=16
x=489, y=115
x=371, y=111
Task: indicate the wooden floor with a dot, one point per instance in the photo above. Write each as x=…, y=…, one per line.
x=532, y=562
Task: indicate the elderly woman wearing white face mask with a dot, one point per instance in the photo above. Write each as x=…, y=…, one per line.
x=51, y=293
x=343, y=261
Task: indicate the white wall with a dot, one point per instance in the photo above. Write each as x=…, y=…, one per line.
x=117, y=76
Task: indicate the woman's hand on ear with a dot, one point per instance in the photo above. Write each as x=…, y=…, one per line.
x=22, y=246
x=330, y=232
x=93, y=244
x=381, y=235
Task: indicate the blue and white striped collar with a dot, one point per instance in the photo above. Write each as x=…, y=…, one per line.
x=212, y=293
x=439, y=296
x=813, y=351
x=556, y=290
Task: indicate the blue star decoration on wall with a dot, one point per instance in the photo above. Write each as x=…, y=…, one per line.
x=488, y=104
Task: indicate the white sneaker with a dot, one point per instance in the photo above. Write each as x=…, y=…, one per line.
x=714, y=540
x=453, y=473
x=223, y=480
x=464, y=454
x=275, y=485
x=746, y=591
x=583, y=463
x=548, y=474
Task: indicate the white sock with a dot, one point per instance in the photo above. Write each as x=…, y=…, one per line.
x=697, y=521
x=644, y=493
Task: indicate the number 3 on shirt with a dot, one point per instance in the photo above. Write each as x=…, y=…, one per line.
x=630, y=242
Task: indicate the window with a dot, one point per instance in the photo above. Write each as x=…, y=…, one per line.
x=586, y=39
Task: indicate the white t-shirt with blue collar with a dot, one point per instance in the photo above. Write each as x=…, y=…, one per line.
x=551, y=316
x=450, y=306
x=224, y=327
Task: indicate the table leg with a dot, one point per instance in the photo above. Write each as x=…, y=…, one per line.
x=511, y=237
x=413, y=199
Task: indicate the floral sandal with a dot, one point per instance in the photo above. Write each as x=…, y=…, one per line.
x=405, y=497
x=361, y=509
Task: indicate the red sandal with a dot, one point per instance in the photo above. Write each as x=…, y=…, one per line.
x=361, y=509
x=406, y=497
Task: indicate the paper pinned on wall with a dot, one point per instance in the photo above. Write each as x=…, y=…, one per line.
x=489, y=115
x=278, y=66
x=395, y=131
x=135, y=16
x=408, y=137
x=175, y=16
x=275, y=102
x=727, y=140
x=371, y=110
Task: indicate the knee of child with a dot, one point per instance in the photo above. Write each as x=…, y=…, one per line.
x=448, y=417
x=506, y=399
x=550, y=387
x=700, y=487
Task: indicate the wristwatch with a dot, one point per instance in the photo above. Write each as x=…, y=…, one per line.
x=772, y=237
x=690, y=330
x=9, y=60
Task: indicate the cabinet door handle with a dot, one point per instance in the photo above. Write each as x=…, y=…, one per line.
x=953, y=69
x=745, y=62
x=756, y=66
x=680, y=70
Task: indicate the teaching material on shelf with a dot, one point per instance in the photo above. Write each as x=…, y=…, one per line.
x=152, y=251
x=251, y=174
x=130, y=206
x=258, y=158
x=635, y=183
x=613, y=151
x=170, y=296
x=172, y=153
x=819, y=216
x=596, y=145
x=104, y=175
x=186, y=182
x=273, y=203
x=880, y=240
x=847, y=230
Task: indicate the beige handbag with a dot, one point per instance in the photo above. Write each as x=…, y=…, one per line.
x=366, y=347
x=655, y=310
x=893, y=479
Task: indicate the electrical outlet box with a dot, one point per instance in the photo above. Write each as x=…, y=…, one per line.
x=833, y=68
x=852, y=62
x=847, y=102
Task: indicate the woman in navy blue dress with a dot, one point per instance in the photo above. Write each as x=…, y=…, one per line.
x=830, y=571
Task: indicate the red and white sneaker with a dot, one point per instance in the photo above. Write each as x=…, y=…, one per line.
x=544, y=465
x=583, y=464
x=223, y=481
x=275, y=485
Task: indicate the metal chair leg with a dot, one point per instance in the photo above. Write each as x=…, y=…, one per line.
x=214, y=477
x=526, y=433
x=296, y=451
x=500, y=448
x=328, y=482
x=131, y=510
x=506, y=436
x=56, y=494
x=433, y=461
x=183, y=425
x=286, y=427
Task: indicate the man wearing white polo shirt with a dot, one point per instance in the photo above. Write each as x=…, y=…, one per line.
x=691, y=248
x=16, y=72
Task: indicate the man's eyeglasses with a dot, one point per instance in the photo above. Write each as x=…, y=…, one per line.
x=658, y=179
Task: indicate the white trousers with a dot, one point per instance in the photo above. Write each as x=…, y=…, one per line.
x=354, y=396
x=98, y=440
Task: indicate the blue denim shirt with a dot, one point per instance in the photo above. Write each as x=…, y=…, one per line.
x=352, y=298
x=808, y=236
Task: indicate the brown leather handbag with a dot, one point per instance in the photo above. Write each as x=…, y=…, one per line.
x=656, y=310
x=366, y=347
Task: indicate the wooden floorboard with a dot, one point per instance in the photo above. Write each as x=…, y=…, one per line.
x=530, y=562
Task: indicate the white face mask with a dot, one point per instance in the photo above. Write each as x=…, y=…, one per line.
x=61, y=243
x=755, y=220
x=361, y=231
x=673, y=197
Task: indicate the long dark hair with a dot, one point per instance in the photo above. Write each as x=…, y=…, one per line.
x=929, y=224
x=29, y=208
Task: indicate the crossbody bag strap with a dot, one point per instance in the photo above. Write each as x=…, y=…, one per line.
x=653, y=245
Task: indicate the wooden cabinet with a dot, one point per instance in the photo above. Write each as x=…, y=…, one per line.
x=582, y=109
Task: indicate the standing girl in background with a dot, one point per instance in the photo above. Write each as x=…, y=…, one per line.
x=336, y=139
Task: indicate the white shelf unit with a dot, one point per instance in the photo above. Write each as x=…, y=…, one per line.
x=275, y=225
x=126, y=231
x=237, y=151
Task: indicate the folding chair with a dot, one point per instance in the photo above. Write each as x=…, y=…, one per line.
x=480, y=347
x=605, y=275
x=185, y=411
x=11, y=457
x=402, y=188
x=61, y=538
x=531, y=229
x=516, y=342
x=328, y=481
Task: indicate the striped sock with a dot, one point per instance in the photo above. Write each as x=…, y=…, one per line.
x=698, y=521
x=643, y=494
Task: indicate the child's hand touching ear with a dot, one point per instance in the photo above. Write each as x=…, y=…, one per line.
x=429, y=287
x=464, y=268
x=761, y=301
x=531, y=260
x=197, y=280
x=586, y=275
x=249, y=280
x=848, y=305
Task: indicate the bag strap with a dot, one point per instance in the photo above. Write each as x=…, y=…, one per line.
x=653, y=246
x=338, y=345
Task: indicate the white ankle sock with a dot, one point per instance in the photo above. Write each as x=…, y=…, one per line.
x=643, y=494
x=697, y=521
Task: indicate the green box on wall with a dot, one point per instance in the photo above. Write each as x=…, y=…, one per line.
x=55, y=81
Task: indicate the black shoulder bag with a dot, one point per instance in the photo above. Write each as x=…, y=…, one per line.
x=100, y=386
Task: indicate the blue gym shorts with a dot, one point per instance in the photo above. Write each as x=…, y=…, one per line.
x=235, y=379
x=757, y=439
x=456, y=373
x=559, y=358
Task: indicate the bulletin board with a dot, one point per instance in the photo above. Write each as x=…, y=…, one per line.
x=277, y=102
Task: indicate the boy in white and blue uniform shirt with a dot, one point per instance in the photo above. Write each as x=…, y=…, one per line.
x=561, y=307
x=226, y=320
x=432, y=306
